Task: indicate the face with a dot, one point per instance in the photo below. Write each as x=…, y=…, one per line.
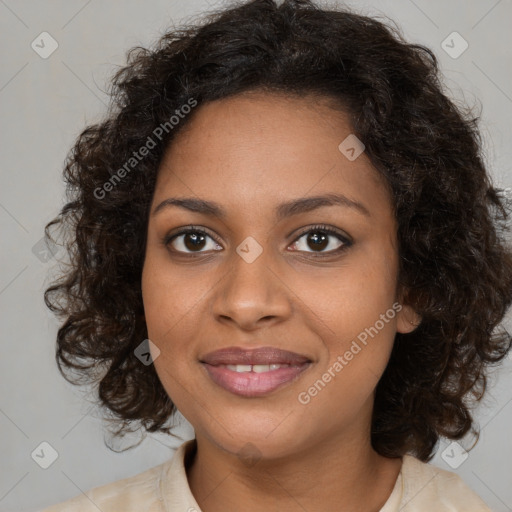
x=263, y=265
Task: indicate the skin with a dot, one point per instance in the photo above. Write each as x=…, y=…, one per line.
x=250, y=153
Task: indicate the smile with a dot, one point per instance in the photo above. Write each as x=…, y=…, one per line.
x=257, y=368
x=254, y=380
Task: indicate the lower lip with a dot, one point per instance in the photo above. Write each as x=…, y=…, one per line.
x=252, y=384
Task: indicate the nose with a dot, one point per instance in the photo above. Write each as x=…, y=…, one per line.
x=252, y=294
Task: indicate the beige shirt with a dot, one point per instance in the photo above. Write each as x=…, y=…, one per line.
x=420, y=487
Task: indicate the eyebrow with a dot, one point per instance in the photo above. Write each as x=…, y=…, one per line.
x=288, y=209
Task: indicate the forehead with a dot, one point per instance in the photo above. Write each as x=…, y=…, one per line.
x=261, y=148
x=259, y=118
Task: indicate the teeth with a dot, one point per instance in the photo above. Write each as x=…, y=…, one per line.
x=240, y=368
x=256, y=368
x=260, y=368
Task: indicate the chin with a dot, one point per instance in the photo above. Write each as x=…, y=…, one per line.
x=253, y=438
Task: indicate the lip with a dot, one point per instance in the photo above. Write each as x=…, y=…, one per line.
x=252, y=384
x=262, y=355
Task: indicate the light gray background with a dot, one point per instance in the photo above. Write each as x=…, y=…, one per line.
x=45, y=103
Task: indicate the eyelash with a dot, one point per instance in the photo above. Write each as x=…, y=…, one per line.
x=319, y=227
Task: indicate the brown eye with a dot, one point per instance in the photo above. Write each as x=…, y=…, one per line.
x=318, y=239
x=192, y=240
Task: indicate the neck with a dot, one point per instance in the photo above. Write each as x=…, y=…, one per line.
x=338, y=475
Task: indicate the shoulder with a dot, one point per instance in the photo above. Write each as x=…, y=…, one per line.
x=427, y=487
x=139, y=492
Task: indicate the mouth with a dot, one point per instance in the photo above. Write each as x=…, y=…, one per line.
x=253, y=373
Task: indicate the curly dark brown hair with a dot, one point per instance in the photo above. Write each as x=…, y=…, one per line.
x=455, y=264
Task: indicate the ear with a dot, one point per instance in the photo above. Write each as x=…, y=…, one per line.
x=407, y=320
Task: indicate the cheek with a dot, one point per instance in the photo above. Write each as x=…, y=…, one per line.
x=174, y=309
x=165, y=304
x=352, y=297
x=170, y=298
x=355, y=312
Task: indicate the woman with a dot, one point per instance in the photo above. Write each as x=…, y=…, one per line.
x=284, y=230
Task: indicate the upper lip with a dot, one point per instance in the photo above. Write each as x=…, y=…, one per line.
x=263, y=355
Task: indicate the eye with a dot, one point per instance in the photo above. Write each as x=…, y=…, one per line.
x=193, y=239
x=190, y=240
x=319, y=238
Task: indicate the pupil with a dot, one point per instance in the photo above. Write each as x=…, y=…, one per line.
x=198, y=241
x=319, y=239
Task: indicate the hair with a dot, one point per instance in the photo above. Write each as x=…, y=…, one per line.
x=455, y=265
